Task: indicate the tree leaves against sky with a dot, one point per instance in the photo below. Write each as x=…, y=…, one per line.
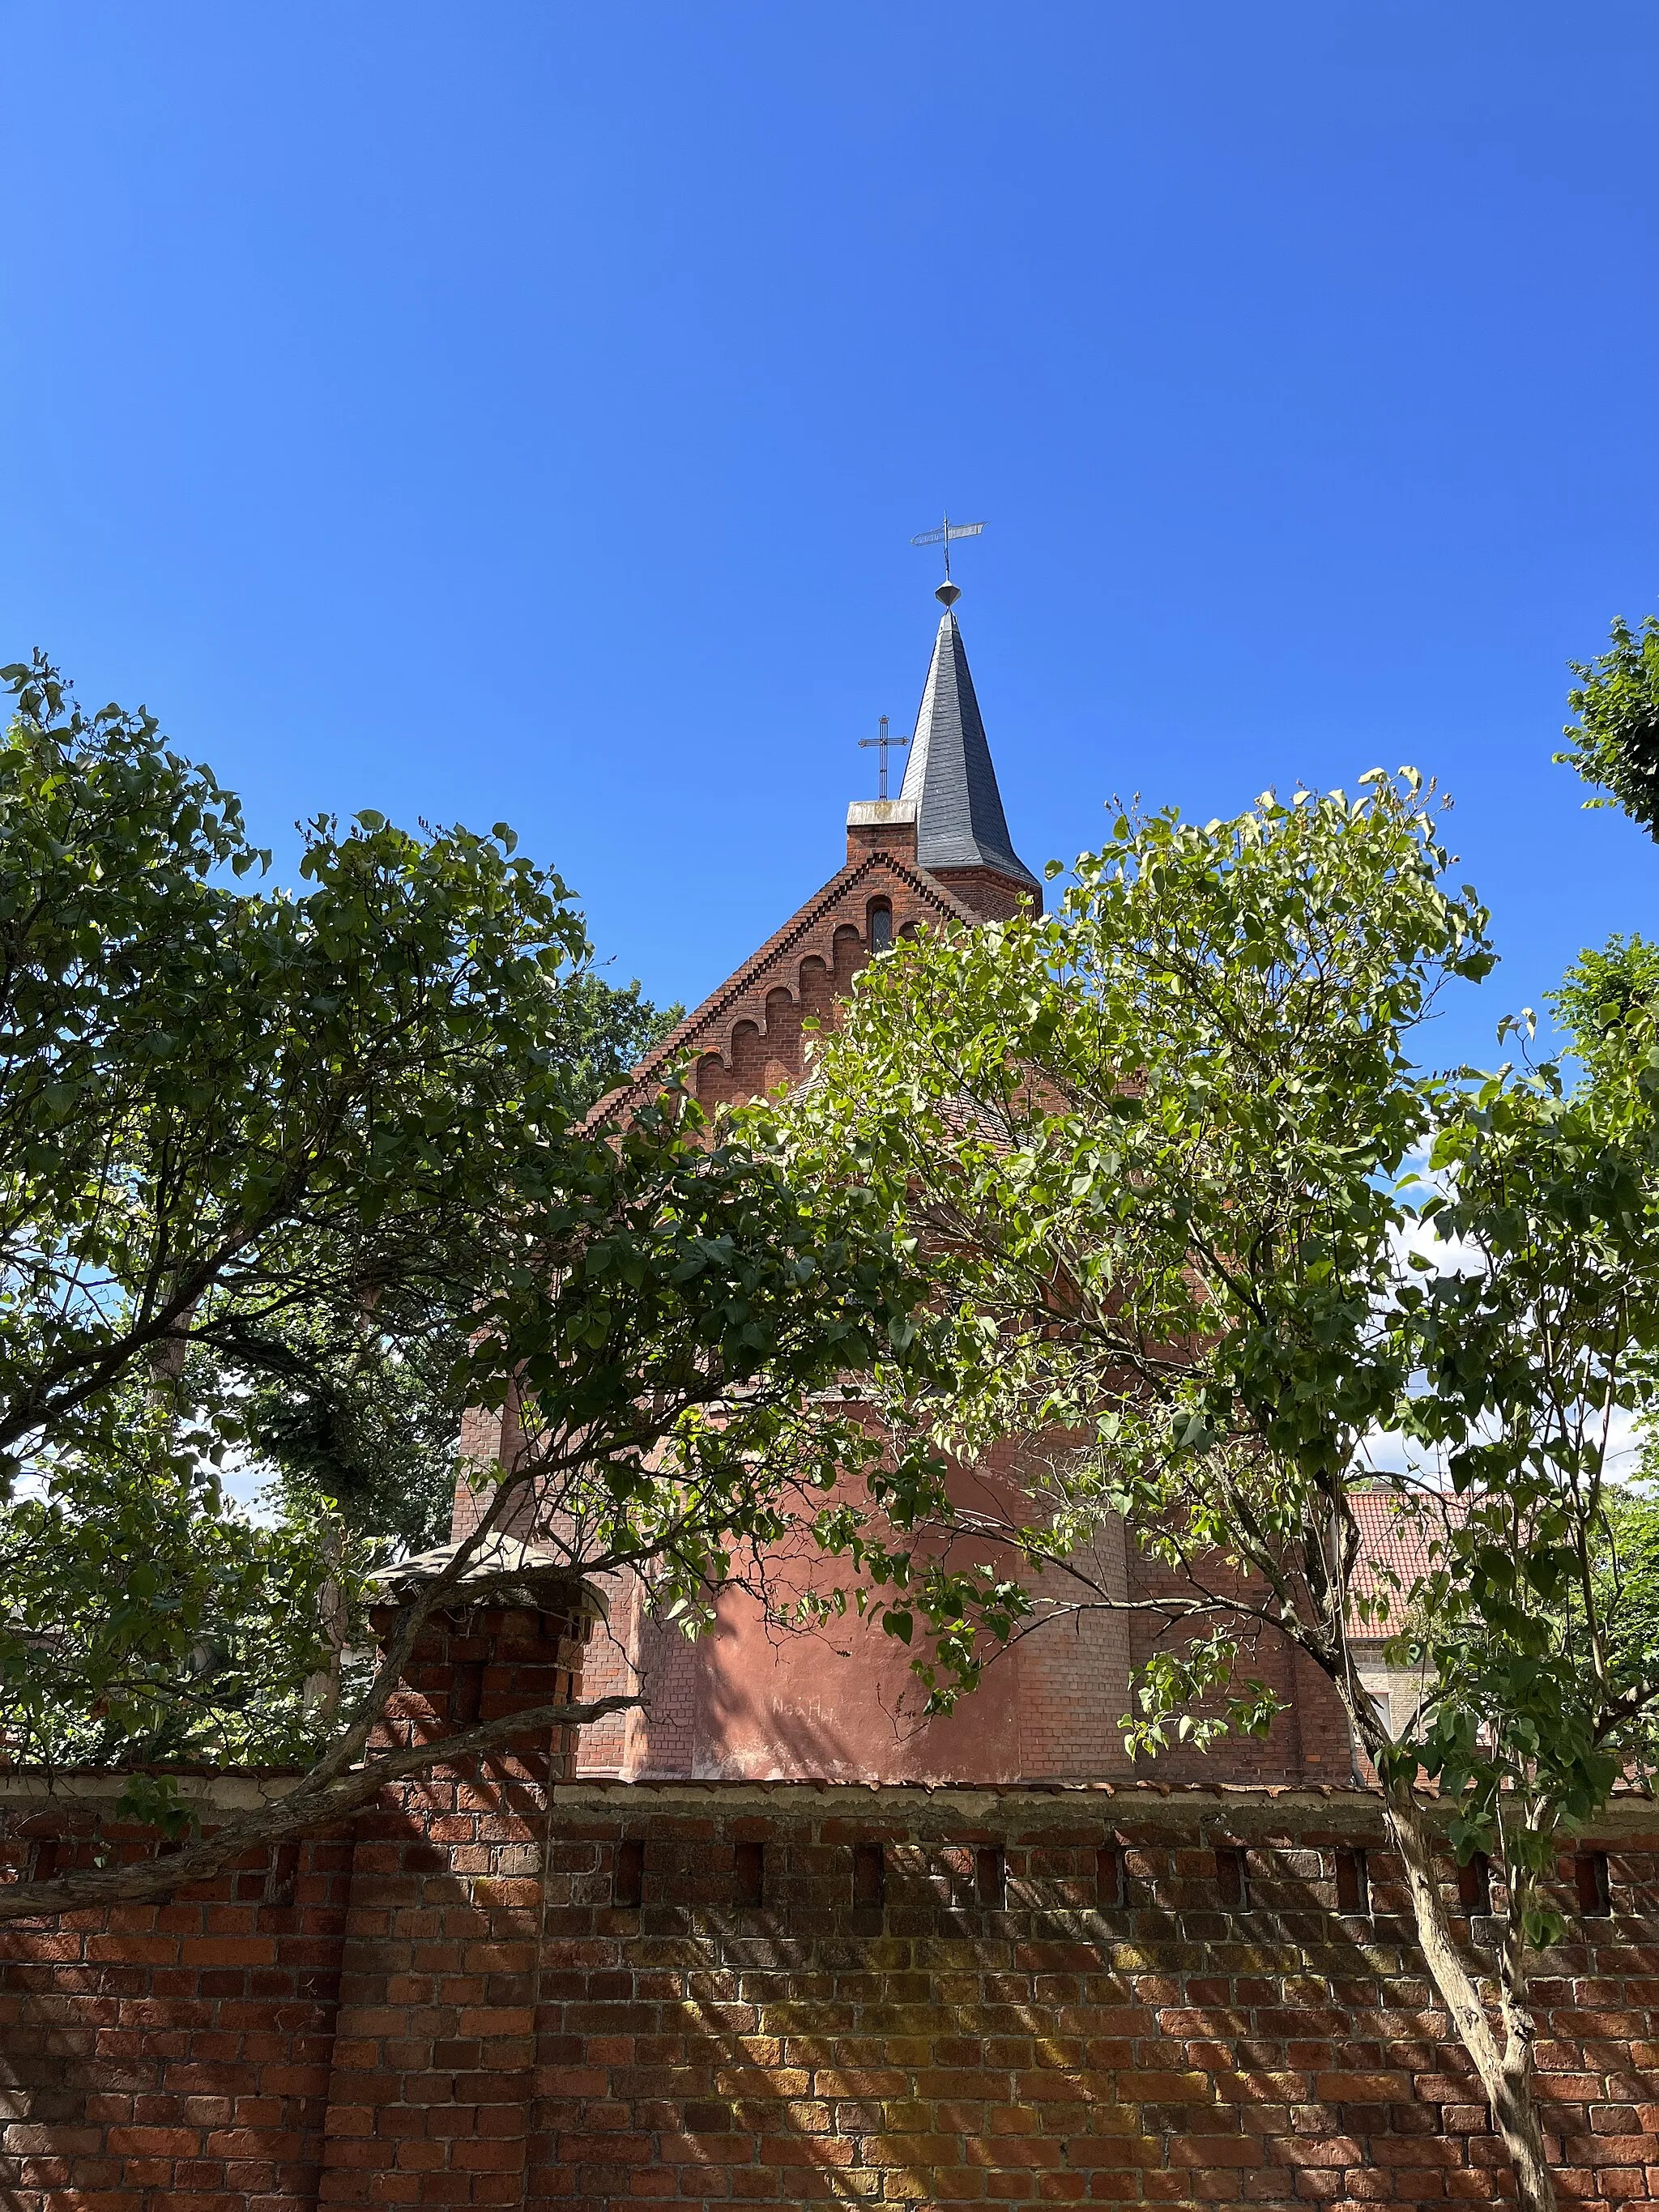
x=1615, y=741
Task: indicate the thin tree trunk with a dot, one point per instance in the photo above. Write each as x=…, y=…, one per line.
x=321, y=1692
x=1520, y=2124
x=1505, y=2068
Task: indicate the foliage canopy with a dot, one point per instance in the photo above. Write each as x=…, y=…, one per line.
x=1615, y=741
x=256, y=1142
x=1238, y=1277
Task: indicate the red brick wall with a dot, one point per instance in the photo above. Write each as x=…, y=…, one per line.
x=747, y=1037
x=344, y=2021
x=952, y=2047
x=818, y=1994
x=998, y=897
x=174, y=2054
x=841, y=1704
x=431, y=2081
x=1309, y=1739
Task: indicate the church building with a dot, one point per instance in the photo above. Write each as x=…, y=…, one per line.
x=747, y=1701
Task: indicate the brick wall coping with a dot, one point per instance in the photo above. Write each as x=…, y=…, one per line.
x=231, y=1790
x=1263, y=1809
x=1235, y=1808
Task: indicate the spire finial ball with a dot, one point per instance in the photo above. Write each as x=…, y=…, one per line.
x=947, y=593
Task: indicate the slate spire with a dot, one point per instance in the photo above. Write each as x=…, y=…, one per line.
x=949, y=778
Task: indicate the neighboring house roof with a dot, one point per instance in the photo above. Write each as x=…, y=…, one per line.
x=1397, y=1531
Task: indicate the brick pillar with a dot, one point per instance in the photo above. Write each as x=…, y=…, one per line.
x=881, y=825
x=430, y=2088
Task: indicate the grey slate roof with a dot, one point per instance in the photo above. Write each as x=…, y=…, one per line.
x=949, y=777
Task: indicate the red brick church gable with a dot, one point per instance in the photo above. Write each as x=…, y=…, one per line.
x=749, y=1036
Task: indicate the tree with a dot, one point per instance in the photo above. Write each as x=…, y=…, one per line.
x=1606, y=997
x=232, y=1119
x=361, y=1422
x=1615, y=740
x=1164, y=1152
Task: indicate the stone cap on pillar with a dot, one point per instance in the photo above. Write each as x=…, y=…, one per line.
x=882, y=825
x=503, y=1571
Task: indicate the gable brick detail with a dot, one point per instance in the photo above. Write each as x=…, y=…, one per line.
x=747, y=1036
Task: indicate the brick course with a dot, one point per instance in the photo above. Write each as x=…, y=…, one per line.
x=176, y=2053
x=431, y=2079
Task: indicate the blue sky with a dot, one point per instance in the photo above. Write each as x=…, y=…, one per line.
x=522, y=412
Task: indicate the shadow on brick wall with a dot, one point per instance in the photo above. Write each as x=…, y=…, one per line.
x=1039, y=2016
x=176, y=2052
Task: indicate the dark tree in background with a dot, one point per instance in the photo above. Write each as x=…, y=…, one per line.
x=358, y=1414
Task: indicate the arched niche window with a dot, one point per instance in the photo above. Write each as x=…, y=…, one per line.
x=881, y=925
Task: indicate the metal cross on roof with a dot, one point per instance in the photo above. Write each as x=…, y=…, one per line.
x=947, y=532
x=884, y=745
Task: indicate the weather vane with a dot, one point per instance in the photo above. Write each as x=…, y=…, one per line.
x=947, y=532
x=884, y=745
